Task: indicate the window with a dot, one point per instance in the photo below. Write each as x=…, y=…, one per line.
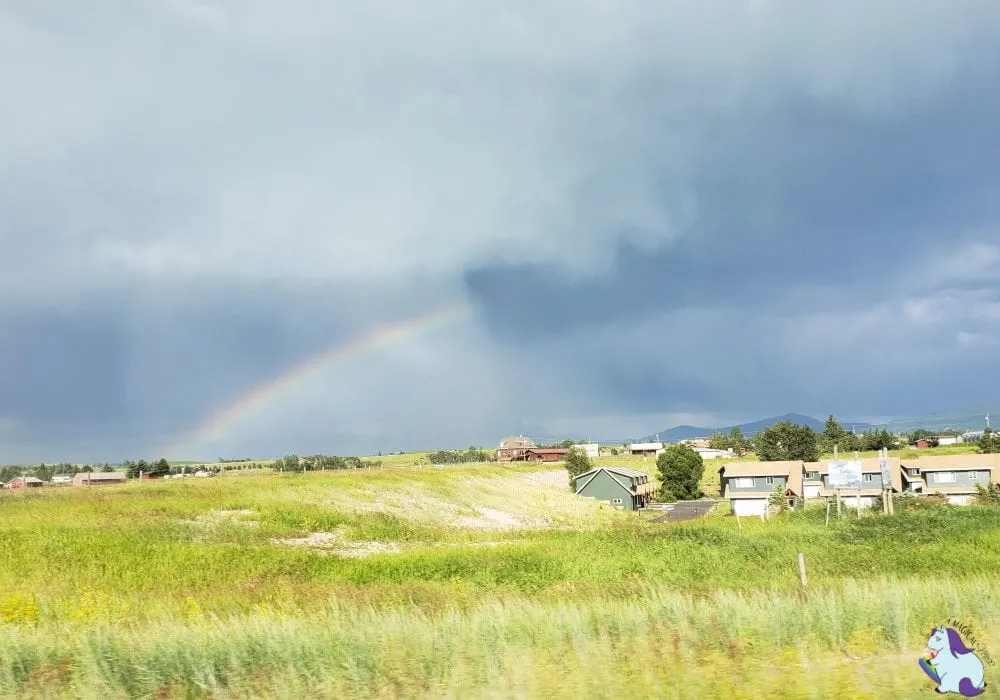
x=812, y=475
x=945, y=477
x=868, y=477
x=770, y=480
x=617, y=501
x=914, y=472
x=744, y=483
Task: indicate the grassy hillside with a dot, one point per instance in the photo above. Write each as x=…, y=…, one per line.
x=481, y=581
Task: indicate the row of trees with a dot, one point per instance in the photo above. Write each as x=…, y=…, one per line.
x=473, y=454
x=294, y=463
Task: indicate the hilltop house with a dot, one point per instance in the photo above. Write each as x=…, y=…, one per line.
x=646, y=449
x=871, y=482
x=626, y=488
x=953, y=476
x=748, y=485
x=514, y=449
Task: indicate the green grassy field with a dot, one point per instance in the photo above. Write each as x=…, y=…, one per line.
x=484, y=581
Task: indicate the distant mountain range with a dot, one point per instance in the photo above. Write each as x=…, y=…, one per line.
x=970, y=421
x=689, y=432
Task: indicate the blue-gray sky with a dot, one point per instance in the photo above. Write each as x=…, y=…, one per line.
x=660, y=213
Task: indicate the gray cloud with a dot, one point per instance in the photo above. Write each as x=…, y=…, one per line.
x=656, y=211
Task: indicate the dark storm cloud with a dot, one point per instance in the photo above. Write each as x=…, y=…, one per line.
x=657, y=210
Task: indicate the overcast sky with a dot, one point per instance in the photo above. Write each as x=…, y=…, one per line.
x=658, y=213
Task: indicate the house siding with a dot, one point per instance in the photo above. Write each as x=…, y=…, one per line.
x=604, y=487
x=760, y=484
x=961, y=478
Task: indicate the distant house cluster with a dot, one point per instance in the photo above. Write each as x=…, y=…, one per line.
x=748, y=485
x=81, y=479
x=523, y=449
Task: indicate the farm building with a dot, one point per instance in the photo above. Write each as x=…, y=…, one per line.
x=24, y=482
x=619, y=486
x=871, y=480
x=546, y=454
x=514, y=449
x=591, y=449
x=646, y=449
x=98, y=479
x=748, y=485
x=952, y=476
x=712, y=453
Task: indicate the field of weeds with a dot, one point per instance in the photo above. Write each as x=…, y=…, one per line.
x=468, y=582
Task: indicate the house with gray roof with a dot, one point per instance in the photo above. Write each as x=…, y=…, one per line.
x=620, y=486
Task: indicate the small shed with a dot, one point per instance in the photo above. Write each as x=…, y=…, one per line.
x=98, y=478
x=646, y=449
x=25, y=482
x=620, y=486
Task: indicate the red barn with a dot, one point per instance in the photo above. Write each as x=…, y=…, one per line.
x=25, y=482
x=547, y=454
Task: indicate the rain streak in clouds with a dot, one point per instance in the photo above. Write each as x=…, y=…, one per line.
x=658, y=213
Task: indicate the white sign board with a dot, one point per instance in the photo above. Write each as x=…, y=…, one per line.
x=886, y=477
x=844, y=474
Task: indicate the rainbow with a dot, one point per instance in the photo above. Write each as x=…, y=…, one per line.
x=220, y=422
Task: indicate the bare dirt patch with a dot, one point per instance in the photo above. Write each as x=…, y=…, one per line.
x=336, y=543
x=220, y=517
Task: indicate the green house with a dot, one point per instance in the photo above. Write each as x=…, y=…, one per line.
x=619, y=486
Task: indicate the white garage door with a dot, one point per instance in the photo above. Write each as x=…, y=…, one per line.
x=811, y=490
x=749, y=506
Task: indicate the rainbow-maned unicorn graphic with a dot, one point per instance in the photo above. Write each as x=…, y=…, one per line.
x=952, y=665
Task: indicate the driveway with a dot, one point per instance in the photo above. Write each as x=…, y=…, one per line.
x=683, y=510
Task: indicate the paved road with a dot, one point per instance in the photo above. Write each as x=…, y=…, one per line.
x=684, y=510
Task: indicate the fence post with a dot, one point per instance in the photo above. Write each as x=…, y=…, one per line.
x=802, y=569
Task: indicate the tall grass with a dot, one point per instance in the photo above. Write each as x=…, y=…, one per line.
x=151, y=590
x=845, y=641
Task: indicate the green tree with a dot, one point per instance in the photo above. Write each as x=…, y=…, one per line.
x=989, y=442
x=680, y=470
x=987, y=495
x=785, y=440
x=778, y=500
x=718, y=441
x=833, y=435
x=919, y=434
x=160, y=468
x=737, y=440
x=577, y=463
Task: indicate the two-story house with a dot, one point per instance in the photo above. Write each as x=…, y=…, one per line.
x=747, y=485
x=953, y=476
x=870, y=492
